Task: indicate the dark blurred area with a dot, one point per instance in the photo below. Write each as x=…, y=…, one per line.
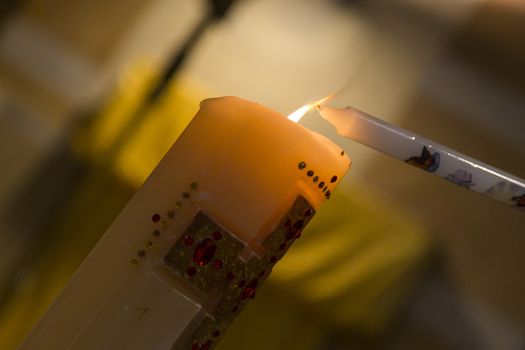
x=93, y=93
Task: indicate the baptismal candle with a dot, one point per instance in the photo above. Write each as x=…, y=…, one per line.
x=201, y=235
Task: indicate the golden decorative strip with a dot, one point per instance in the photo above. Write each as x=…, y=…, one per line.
x=208, y=258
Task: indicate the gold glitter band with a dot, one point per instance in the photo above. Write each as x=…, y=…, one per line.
x=207, y=257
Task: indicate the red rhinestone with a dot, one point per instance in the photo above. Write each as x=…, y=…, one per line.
x=295, y=230
x=204, y=252
x=217, y=333
x=217, y=235
x=249, y=291
x=205, y=346
x=308, y=212
x=188, y=240
x=242, y=283
x=230, y=276
x=155, y=217
x=191, y=271
x=273, y=259
x=217, y=264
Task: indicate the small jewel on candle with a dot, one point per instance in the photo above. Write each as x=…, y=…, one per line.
x=217, y=264
x=230, y=276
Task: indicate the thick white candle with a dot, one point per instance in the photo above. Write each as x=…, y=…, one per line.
x=203, y=232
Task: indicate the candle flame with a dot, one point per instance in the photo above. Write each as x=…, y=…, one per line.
x=298, y=114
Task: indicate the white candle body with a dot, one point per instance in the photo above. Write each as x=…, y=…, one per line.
x=237, y=162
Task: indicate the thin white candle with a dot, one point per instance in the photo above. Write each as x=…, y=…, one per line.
x=427, y=155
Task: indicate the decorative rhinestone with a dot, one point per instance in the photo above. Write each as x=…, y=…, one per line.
x=188, y=240
x=230, y=276
x=149, y=244
x=193, y=185
x=141, y=253
x=249, y=291
x=321, y=184
x=178, y=205
x=205, y=346
x=134, y=261
x=310, y=173
x=156, y=233
x=155, y=217
x=217, y=235
x=295, y=230
x=204, y=252
x=308, y=212
x=333, y=179
x=217, y=264
x=301, y=165
x=171, y=214
x=315, y=179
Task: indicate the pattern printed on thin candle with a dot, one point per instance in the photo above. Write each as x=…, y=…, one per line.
x=461, y=178
x=426, y=161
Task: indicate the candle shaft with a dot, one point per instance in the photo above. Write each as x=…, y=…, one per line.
x=427, y=155
x=199, y=238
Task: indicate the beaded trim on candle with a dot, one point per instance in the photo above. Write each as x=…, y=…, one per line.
x=158, y=219
x=208, y=258
x=315, y=179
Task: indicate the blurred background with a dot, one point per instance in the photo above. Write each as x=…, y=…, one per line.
x=93, y=93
